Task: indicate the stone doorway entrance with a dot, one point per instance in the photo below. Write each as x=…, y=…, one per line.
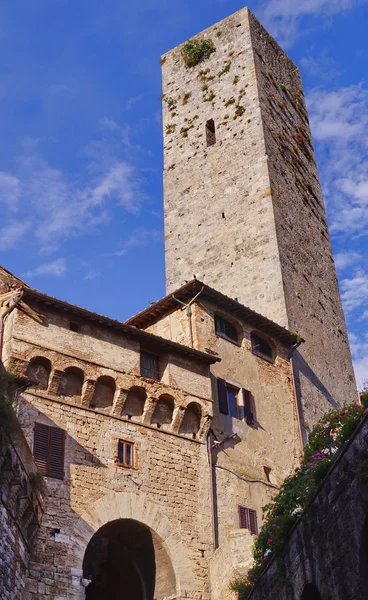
x=126, y=560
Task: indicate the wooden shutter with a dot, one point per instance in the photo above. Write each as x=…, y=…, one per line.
x=222, y=396
x=41, y=446
x=56, y=453
x=48, y=450
x=248, y=519
x=253, y=526
x=248, y=407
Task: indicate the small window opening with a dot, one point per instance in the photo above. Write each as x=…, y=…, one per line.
x=210, y=132
x=48, y=450
x=125, y=456
x=150, y=366
x=225, y=329
x=229, y=397
x=248, y=519
x=260, y=347
x=74, y=327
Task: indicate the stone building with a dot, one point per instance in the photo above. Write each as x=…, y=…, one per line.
x=243, y=205
x=160, y=439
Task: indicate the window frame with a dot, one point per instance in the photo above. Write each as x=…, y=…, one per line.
x=248, y=519
x=125, y=464
x=157, y=374
x=210, y=133
x=259, y=354
x=223, y=335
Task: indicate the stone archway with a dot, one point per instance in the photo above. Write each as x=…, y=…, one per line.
x=125, y=559
x=165, y=532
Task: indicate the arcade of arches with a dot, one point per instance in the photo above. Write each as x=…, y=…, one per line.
x=127, y=560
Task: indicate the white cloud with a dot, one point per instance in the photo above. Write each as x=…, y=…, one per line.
x=138, y=238
x=339, y=122
x=283, y=17
x=12, y=233
x=354, y=291
x=343, y=260
x=56, y=268
x=9, y=190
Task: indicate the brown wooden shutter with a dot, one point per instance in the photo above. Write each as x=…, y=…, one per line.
x=248, y=407
x=222, y=396
x=248, y=519
x=40, y=447
x=56, y=453
x=253, y=526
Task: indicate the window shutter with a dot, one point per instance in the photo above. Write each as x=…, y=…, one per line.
x=244, y=517
x=56, y=453
x=40, y=447
x=253, y=526
x=222, y=397
x=248, y=407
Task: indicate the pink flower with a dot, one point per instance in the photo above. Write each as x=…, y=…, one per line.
x=269, y=541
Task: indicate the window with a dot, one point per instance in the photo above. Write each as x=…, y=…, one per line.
x=248, y=519
x=48, y=450
x=225, y=329
x=261, y=348
x=38, y=371
x=74, y=327
x=150, y=366
x=71, y=383
x=210, y=132
x=235, y=402
x=125, y=454
x=228, y=396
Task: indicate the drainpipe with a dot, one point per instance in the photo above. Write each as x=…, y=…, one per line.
x=213, y=491
x=292, y=350
x=13, y=301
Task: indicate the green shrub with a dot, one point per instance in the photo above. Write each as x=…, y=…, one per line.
x=196, y=51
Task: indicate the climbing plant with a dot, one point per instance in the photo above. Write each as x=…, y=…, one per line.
x=325, y=443
x=196, y=51
x=7, y=416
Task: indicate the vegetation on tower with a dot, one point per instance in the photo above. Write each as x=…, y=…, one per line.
x=196, y=51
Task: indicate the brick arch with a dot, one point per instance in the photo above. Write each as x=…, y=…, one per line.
x=126, y=505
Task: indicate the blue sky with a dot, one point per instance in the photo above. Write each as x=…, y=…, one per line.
x=81, y=155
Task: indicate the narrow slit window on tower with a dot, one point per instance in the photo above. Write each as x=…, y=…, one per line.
x=210, y=132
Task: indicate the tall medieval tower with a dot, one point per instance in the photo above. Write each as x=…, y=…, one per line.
x=243, y=204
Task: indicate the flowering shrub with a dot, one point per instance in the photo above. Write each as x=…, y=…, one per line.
x=327, y=437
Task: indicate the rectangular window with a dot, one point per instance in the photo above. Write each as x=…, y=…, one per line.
x=150, y=366
x=248, y=519
x=48, y=450
x=125, y=454
x=228, y=397
x=210, y=132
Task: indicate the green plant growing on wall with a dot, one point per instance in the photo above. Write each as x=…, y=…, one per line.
x=325, y=442
x=236, y=79
x=186, y=97
x=196, y=51
x=226, y=69
x=7, y=415
x=229, y=102
x=239, y=111
x=209, y=96
x=170, y=128
x=163, y=60
x=184, y=130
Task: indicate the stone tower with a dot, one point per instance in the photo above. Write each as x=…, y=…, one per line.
x=243, y=204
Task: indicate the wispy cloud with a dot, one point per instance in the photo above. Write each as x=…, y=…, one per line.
x=354, y=291
x=343, y=260
x=138, y=238
x=324, y=67
x=56, y=268
x=283, y=18
x=12, y=233
x=133, y=100
x=339, y=121
x=60, y=205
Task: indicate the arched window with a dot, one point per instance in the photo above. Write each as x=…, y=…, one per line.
x=191, y=420
x=261, y=348
x=103, y=396
x=225, y=329
x=39, y=370
x=310, y=592
x=163, y=412
x=134, y=404
x=71, y=383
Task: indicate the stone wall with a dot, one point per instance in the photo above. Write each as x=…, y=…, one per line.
x=246, y=214
x=21, y=506
x=328, y=548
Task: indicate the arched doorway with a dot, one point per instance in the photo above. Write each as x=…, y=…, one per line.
x=126, y=560
x=310, y=592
